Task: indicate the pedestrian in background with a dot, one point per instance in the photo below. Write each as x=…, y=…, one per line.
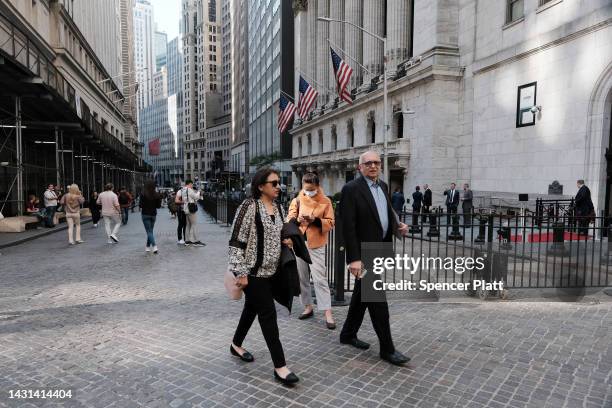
x=467, y=205
x=417, y=200
x=182, y=218
x=254, y=256
x=150, y=201
x=397, y=201
x=314, y=213
x=585, y=211
x=190, y=199
x=50, y=200
x=72, y=201
x=452, y=202
x=111, y=211
x=125, y=201
x=94, y=208
x=427, y=202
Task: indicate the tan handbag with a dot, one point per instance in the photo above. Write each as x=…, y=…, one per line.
x=233, y=291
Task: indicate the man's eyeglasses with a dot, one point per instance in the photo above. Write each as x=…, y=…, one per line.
x=273, y=182
x=372, y=163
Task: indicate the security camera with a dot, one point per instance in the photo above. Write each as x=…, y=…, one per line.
x=535, y=109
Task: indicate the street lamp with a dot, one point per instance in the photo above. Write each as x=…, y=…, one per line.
x=385, y=101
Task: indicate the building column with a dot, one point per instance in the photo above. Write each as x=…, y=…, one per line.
x=311, y=42
x=323, y=57
x=353, y=12
x=373, y=21
x=398, y=32
x=336, y=35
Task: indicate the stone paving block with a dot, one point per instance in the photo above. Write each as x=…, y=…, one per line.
x=129, y=329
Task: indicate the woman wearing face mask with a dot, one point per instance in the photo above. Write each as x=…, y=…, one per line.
x=315, y=214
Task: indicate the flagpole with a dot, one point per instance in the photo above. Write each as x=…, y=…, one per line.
x=350, y=57
x=288, y=96
x=308, y=77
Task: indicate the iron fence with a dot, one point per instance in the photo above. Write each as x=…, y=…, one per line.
x=523, y=251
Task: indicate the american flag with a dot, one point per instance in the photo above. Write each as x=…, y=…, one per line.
x=308, y=95
x=343, y=74
x=286, y=110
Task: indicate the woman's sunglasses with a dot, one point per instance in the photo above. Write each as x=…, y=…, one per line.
x=273, y=182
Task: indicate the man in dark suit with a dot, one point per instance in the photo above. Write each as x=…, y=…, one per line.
x=367, y=216
x=417, y=200
x=427, y=202
x=584, y=207
x=467, y=205
x=452, y=201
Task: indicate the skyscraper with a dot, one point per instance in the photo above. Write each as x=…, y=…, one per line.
x=240, y=90
x=144, y=51
x=270, y=70
x=161, y=51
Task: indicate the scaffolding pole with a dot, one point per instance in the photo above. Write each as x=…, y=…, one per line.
x=20, y=198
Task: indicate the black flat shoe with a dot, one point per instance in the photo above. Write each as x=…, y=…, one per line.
x=305, y=316
x=396, y=358
x=289, y=380
x=246, y=356
x=330, y=326
x=355, y=342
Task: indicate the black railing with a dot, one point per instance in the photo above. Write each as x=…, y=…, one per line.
x=524, y=251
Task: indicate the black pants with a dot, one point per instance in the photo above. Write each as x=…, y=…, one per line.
x=259, y=302
x=451, y=210
x=95, y=216
x=426, y=212
x=467, y=216
x=182, y=224
x=379, y=313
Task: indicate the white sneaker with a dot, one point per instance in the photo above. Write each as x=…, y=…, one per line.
x=155, y=249
x=180, y=242
x=114, y=238
x=95, y=225
x=147, y=249
x=110, y=241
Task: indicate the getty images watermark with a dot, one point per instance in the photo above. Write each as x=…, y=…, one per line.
x=386, y=272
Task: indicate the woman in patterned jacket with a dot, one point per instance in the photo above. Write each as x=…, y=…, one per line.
x=254, y=255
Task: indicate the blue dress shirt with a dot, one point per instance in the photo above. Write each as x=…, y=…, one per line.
x=381, y=204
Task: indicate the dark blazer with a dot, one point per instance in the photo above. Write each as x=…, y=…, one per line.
x=360, y=220
x=584, y=204
x=417, y=200
x=427, y=198
x=454, y=200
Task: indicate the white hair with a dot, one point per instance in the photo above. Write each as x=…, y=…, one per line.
x=366, y=153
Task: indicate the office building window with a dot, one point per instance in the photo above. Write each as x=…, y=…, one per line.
x=514, y=10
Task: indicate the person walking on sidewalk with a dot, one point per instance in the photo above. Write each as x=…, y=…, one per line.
x=181, y=217
x=111, y=212
x=150, y=201
x=125, y=201
x=367, y=216
x=314, y=213
x=72, y=202
x=190, y=199
x=254, y=257
x=94, y=208
x=50, y=200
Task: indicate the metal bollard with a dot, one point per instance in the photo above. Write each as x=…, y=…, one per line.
x=482, y=230
x=455, y=234
x=558, y=247
x=433, y=228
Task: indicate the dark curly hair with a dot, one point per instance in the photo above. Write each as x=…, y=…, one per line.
x=260, y=178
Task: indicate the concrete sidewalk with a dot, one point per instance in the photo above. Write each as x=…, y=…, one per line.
x=8, y=239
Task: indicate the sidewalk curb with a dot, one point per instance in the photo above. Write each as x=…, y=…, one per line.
x=60, y=227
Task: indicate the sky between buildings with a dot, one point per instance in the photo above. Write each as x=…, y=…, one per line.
x=166, y=14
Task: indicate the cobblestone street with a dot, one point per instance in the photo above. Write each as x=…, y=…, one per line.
x=122, y=328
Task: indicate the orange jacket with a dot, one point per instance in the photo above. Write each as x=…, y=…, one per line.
x=319, y=207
